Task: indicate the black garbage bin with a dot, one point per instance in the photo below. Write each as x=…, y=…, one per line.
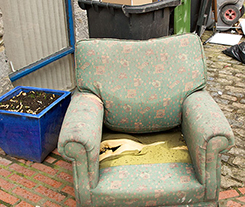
x=106, y=20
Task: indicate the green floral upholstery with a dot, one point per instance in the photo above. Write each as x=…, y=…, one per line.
x=142, y=86
x=138, y=87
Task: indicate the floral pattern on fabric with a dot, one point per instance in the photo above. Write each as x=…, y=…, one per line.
x=148, y=185
x=141, y=83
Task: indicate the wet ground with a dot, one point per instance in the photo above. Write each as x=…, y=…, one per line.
x=226, y=84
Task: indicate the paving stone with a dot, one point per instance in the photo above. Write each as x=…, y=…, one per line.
x=21, y=169
x=44, y=168
x=232, y=204
x=70, y=202
x=69, y=190
x=228, y=194
x=238, y=174
x=227, y=183
x=242, y=190
x=27, y=194
x=47, y=180
x=225, y=170
x=50, y=194
x=23, y=181
x=8, y=198
x=241, y=199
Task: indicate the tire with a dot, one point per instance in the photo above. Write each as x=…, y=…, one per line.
x=230, y=14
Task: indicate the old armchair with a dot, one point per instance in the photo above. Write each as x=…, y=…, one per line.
x=144, y=89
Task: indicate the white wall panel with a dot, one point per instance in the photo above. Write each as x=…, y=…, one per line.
x=33, y=30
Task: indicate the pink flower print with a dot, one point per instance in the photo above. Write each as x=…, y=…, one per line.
x=184, y=42
x=90, y=53
x=183, y=57
x=145, y=110
x=105, y=59
x=150, y=203
x=106, y=170
x=100, y=70
x=159, y=68
x=159, y=193
x=97, y=85
x=111, y=44
x=137, y=82
x=199, y=57
x=123, y=174
x=181, y=194
x=150, y=52
x=110, y=199
x=127, y=108
x=164, y=56
x=85, y=65
x=195, y=74
x=215, y=114
x=155, y=126
x=109, y=104
x=181, y=70
x=116, y=88
x=116, y=184
x=166, y=101
x=141, y=188
x=143, y=65
x=188, y=86
x=124, y=63
x=130, y=202
x=91, y=176
x=189, y=170
x=145, y=175
x=156, y=83
x=165, y=177
x=185, y=179
x=196, y=106
x=123, y=76
x=153, y=97
x=131, y=93
x=160, y=113
x=174, y=84
x=216, y=144
x=137, y=125
x=210, y=157
x=124, y=120
x=173, y=165
x=127, y=48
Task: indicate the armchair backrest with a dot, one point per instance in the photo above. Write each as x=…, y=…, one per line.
x=141, y=83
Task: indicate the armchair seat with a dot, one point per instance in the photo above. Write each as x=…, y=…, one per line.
x=148, y=185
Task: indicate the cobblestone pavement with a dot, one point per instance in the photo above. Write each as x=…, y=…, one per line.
x=226, y=84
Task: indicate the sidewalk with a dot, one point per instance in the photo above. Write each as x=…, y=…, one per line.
x=49, y=184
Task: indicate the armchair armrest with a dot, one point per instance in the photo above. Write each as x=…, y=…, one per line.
x=207, y=134
x=79, y=141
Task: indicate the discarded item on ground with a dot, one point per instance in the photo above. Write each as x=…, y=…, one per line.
x=228, y=13
x=242, y=24
x=225, y=39
x=237, y=51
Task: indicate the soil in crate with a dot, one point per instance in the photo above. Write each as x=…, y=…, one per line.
x=32, y=102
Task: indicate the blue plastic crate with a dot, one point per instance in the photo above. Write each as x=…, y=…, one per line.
x=29, y=136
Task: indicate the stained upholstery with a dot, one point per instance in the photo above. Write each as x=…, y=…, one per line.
x=138, y=87
x=142, y=86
